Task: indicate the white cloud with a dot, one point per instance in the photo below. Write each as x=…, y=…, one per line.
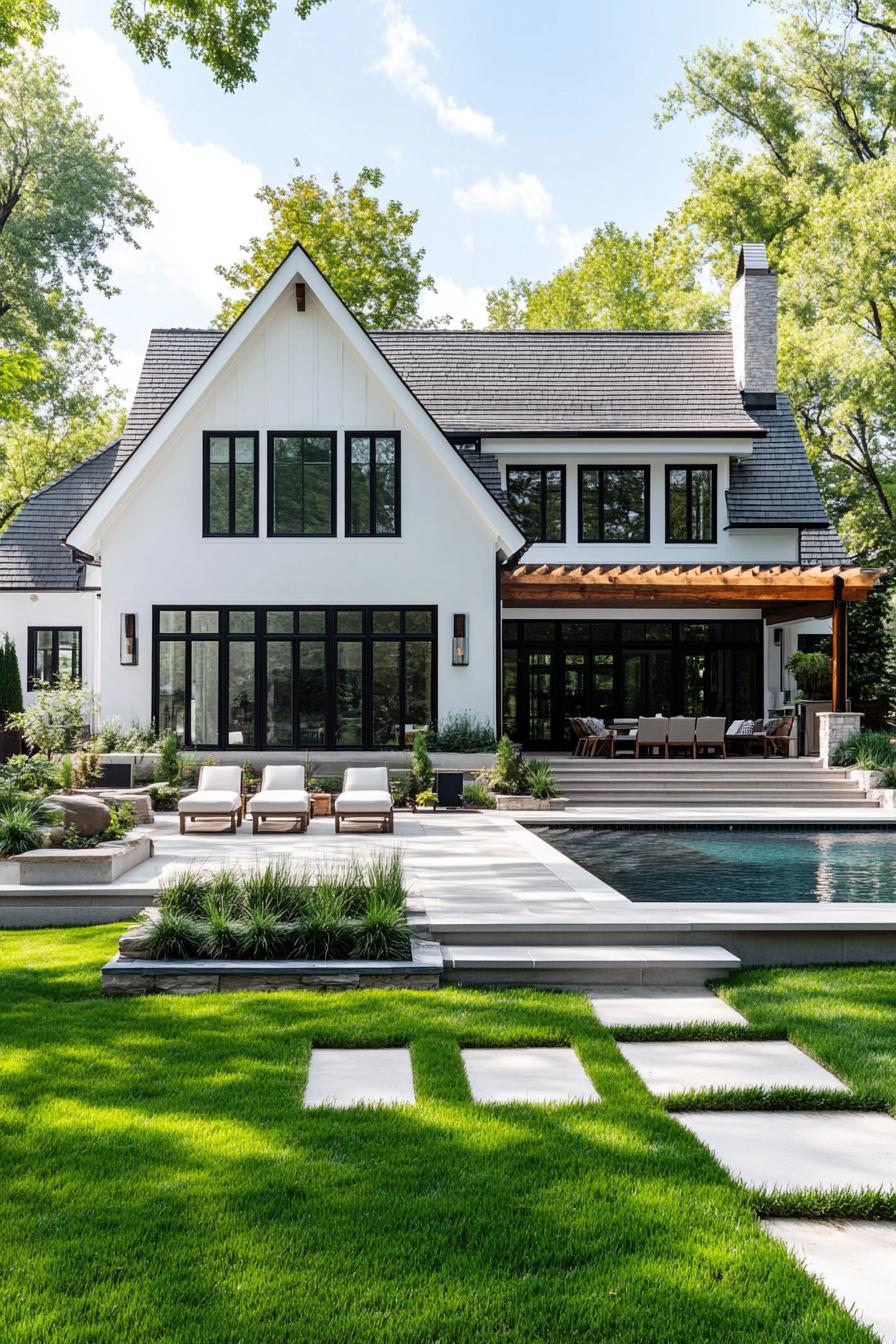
x=525, y=192
x=460, y=302
x=569, y=242
x=204, y=195
x=407, y=73
x=469, y=242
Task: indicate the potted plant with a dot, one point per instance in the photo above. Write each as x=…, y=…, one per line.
x=427, y=798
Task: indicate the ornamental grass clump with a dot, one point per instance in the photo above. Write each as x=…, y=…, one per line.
x=541, y=779
x=353, y=910
x=866, y=749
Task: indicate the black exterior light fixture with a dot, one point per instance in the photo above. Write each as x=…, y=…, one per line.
x=128, y=639
x=460, y=640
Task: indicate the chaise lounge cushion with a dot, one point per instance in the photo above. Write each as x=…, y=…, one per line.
x=365, y=789
x=220, y=790
x=282, y=790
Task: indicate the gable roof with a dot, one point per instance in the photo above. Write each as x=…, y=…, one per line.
x=83, y=536
x=33, y=553
x=775, y=486
x=572, y=382
x=822, y=546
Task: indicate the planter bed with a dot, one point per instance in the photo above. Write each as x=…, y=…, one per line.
x=524, y=802
x=127, y=976
x=83, y=867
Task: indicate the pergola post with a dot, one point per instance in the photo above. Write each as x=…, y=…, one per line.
x=839, y=650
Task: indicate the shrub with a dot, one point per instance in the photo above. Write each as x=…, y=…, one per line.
x=888, y=778
x=478, y=795
x=170, y=765
x=55, y=722
x=399, y=787
x=262, y=935
x=10, y=680
x=113, y=736
x=867, y=749
x=463, y=730
x=31, y=774
x=121, y=823
x=813, y=673
x=87, y=769
x=164, y=797
x=384, y=878
x=220, y=935
x=421, y=764
x=174, y=936
x=184, y=893
x=323, y=932
x=21, y=823
x=380, y=934
x=427, y=798
x=66, y=774
x=509, y=774
x=270, y=889
x=541, y=779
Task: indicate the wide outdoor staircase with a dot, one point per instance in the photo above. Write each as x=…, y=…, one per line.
x=704, y=784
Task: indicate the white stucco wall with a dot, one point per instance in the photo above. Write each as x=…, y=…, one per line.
x=296, y=373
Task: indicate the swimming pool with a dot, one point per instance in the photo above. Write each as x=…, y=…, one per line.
x=712, y=865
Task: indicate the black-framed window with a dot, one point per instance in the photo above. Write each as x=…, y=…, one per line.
x=53, y=650
x=230, y=484
x=301, y=485
x=537, y=499
x=373, y=485
x=691, y=504
x=614, y=504
x=292, y=677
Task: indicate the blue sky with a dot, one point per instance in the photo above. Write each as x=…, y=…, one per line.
x=514, y=126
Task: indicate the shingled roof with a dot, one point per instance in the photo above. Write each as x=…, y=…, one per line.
x=33, y=553
x=775, y=486
x=822, y=547
x=572, y=382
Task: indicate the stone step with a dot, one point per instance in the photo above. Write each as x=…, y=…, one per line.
x=678, y=798
x=569, y=965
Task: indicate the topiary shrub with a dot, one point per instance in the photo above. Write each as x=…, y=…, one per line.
x=170, y=765
x=509, y=774
x=11, y=701
x=423, y=772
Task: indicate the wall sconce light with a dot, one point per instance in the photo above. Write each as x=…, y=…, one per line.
x=128, y=639
x=460, y=641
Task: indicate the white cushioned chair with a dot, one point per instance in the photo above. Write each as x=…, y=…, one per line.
x=219, y=794
x=365, y=796
x=652, y=733
x=282, y=794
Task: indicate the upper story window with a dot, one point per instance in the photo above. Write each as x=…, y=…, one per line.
x=614, y=504
x=53, y=651
x=537, y=498
x=301, y=485
x=372, y=485
x=691, y=504
x=229, y=485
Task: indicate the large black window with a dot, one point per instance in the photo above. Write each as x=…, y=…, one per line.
x=53, y=650
x=614, y=504
x=292, y=677
x=301, y=485
x=229, y=485
x=372, y=485
x=537, y=498
x=691, y=504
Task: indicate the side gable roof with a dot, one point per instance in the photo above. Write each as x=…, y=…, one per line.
x=33, y=553
x=573, y=382
x=82, y=535
x=775, y=486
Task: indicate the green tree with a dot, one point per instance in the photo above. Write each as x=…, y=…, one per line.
x=24, y=21
x=621, y=281
x=10, y=680
x=799, y=157
x=364, y=248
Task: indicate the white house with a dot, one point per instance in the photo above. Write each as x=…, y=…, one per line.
x=314, y=537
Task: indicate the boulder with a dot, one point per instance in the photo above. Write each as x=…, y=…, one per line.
x=85, y=815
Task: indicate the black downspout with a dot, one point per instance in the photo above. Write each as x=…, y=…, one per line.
x=499, y=650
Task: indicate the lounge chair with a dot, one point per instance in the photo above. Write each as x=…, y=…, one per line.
x=218, y=796
x=778, y=741
x=682, y=735
x=365, y=796
x=710, y=736
x=652, y=733
x=282, y=795
x=590, y=742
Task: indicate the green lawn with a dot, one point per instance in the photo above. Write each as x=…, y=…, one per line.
x=162, y=1183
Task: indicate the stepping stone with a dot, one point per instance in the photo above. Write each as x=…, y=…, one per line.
x=343, y=1078
x=854, y=1259
x=800, y=1150
x=534, y=1074
x=662, y=1008
x=667, y=1067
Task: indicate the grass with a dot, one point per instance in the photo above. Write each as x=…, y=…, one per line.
x=161, y=1181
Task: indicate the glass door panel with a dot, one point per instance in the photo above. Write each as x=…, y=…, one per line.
x=602, y=700
x=279, y=693
x=349, y=693
x=386, y=703
x=312, y=693
x=241, y=694
x=540, y=668
x=575, y=681
x=204, y=691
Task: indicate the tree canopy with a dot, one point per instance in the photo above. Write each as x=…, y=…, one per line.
x=364, y=248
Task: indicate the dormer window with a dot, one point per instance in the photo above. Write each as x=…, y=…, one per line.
x=614, y=504
x=229, y=484
x=691, y=505
x=537, y=498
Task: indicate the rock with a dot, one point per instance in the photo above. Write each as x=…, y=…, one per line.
x=83, y=814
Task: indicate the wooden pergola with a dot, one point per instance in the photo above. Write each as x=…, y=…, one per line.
x=782, y=592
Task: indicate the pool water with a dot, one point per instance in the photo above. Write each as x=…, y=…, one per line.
x=712, y=865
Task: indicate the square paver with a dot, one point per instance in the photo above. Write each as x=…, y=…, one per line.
x=854, y=1259
x=534, y=1074
x=801, y=1150
x=667, y=1067
x=344, y=1078
x=662, y=1008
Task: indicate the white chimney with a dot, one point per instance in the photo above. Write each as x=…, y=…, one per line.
x=754, y=326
